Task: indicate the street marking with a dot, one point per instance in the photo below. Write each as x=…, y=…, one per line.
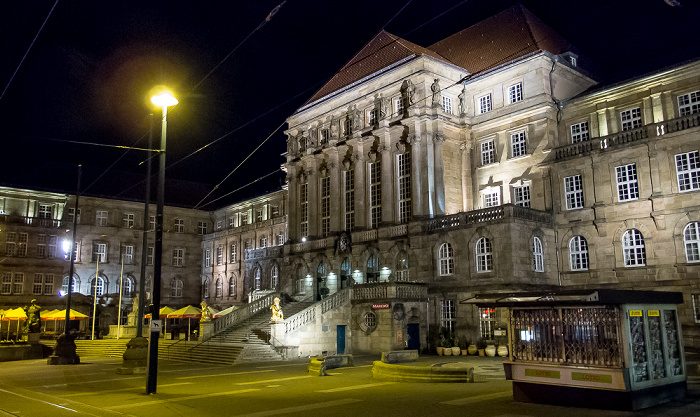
x=180, y=399
x=356, y=387
x=41, y=401
x=76, y=394
x=301, y=408
x=90, y=382
x=228, y=373
x=282, y=366
x=274, y=386
x=273, y=380
x=479, y=398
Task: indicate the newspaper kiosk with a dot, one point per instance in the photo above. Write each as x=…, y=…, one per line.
x=614, y=349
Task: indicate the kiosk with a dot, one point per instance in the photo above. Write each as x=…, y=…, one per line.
x=614, y=349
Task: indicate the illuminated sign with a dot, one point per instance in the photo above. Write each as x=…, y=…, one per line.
x=653, y=313
x=542, y=373
x=635, y=313
x=380, y=306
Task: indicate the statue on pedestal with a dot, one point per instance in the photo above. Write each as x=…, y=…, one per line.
x=206, y=316
x=33, y=322
x=277, y=314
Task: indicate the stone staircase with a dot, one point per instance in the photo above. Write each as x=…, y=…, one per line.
x=113, y=348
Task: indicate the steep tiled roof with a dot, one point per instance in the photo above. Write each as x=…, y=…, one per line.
x=513, y=33
x=382, y=51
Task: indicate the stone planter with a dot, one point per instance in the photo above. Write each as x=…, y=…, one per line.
x=472, y=350
x=447, y=351
x=464, y=352
x=490, y=350
x=455, y=351
x=439, y=350
x=502, y=350
x=481, y=352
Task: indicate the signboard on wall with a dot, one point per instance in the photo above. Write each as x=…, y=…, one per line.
x=380, y=306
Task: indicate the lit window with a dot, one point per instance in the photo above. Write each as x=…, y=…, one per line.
x=484, y=255
x=445, y=260
x=349, y=199
x=573, y=190
x=325, y=190
x=691, y=239
x=488, y=152
x=492, y=197
x=404, y=177
x=689, y=103
x=375, y=192
x=578, y=253
x=521, y=196
x=518, y=145
x=688, y=171
x=484, y=104
x=97, y=286
x=537, y=255
x=579, y=132
x=515, y=93
x=627, y=187
x=633, y=248
x=631, y=119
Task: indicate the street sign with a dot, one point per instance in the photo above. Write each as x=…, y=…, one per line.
x=380, y=306
x=156, y=325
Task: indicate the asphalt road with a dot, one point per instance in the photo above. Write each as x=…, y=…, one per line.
x=93, y=388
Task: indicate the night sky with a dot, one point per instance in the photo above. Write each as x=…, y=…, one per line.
x=86, y=77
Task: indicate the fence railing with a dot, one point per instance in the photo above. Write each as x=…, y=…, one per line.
x=239, y=315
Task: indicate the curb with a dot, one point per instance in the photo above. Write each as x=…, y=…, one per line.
x=392, y=372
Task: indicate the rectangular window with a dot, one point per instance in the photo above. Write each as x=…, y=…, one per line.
x=521, y=196
x=23, y=239
x=492, y=198
x=220, y=255
x=304, y=210
x=518, y=146
x=71, y=215
x=404, y=174
x=399, y=105
x=128, y=221
x=347, y=127
x=325, y=206
x=179, y=226
x=280, y=239
x=274, y=211
x=573, y=190
x=488, y=152
x=207, y=258
x=38, y=286
x=231, y=222
x=233, y=253
x=41, y=246
x=178, y=257
x=219, y=225
x=627, y=187
x=149, y=255
x=696, y=307
x=371, y=117
x=18, y=283
x=76, y=249
x=375, y=193
x=631, y=119
x=259, y=215
x=447, y=104
x=689, y=103
x=48, y=284
x=248, y=244
x=515, y=93
x=349, y=199
x=6, y=283
x=128, y=254
x=45, y=213
x=151, y=223
x=487, y=322
x=101, y=218
x=99, y=252
x=688, y=171
x=579, y=132
x=11, y=244
x=53, y=241
x=324, y=136
x=485, y=104
x=202, y=228
x=447, y=313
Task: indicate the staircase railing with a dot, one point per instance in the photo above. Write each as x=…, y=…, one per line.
x=308, y=315
x=237, y=316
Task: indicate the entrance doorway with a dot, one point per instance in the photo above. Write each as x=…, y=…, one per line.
x=340, y=339
x=413, y=331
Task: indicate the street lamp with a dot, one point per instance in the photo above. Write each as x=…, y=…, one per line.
x=162, y=99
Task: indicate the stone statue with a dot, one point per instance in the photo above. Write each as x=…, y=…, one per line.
x=380, y=105
x=33, y=317
x=206, y=316
x=463, y=101
x=411, y=90
x=334, y=128
x=277, y=314
x=355, y=118
x=437, y=97
x=135, y=306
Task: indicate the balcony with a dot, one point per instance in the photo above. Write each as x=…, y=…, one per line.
x=487, y=215
x=389, y=290
x=268, y=252
x=30, y=221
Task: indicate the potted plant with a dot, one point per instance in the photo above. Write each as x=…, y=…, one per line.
x=447, y=345
x=481, y=346
x=463, y=343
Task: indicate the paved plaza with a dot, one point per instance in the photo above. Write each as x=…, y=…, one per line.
x=93, y=388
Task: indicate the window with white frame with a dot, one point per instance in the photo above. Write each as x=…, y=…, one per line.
x=691, y=240
x=202, y=228
x=375, y=192
x=178, y=257
x=371, y=116
x=274, y=276
x=689, y=103
x=402, y=271
x=219, y=225
x=627, y=186
x=484, y=104
x=447, y=104
x=263, y=242
x=53, y=242
x=151, y=223
x=259, y=215
x=22, y=241
x=280, y=239
x=234, y=251
x=487, y=322
x=518, y=145
x=48, y=284
x=6, y=283
x=349, y=199
x=521, y=195
x=324, y=136
x=579, y=132
x=578, y=253
x=244, y=219
x=71, y=215
x=176, y=288
x=631, y=119
x=128, y=254
x=179, y=225
x=573, y=191
x=41, y=246
x=537, y=255
x=220, y=255
x=258, y=280
x=99, y=252
x=219, y=289
x=325, y=206
x=399, y=105
x=688, y=171
x=447, y=314
x=492, y=197
x=207, y=258
x=484, y=255
x=304, y=210
x=45, y=212
x=488, y=152
x=97, y=286
x=404, y=177
x=231, y=222
x=446, y=263
x=274, y=211
x=38, y=286
x=515, y=93
x=18, y=283
x=101, y=218
x=633, y=249
x=128, y=220
x=127, y=286
x=232, y=286
x=247, y=244
x=11, y=244
x=64, y=285
x=149, y=255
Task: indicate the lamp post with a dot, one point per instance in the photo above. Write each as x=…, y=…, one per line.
x=163, y=100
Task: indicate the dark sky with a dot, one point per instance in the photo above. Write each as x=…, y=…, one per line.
x=87, y=76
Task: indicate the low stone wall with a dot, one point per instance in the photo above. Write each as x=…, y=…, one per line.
x=381, y=370
x=22, y=352
x=398, y=356
x=319, y=365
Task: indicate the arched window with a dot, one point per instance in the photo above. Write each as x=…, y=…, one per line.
x=446, y=264
x=345, y=273
x=537, y=255
x=97, y=286
x=691, y=238
x=219, y=288
x=232, y=286
x=301, y=280
x=274, y=276
x=578, y=253
x=484, y=255
x=402, y=273
x=127, y=286
x=176, y=287
x=257, y=279
x=633, y=248
x=373, y=268
x=64, y=286
x=205, y=288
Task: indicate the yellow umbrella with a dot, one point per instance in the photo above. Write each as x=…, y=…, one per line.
x=11, y=315
x=188, y=312
x=164, y=311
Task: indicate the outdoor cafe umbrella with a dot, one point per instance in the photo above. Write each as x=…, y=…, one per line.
x=188, y=312
x=60, y=315
x=12, y=315
x=164, y=311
